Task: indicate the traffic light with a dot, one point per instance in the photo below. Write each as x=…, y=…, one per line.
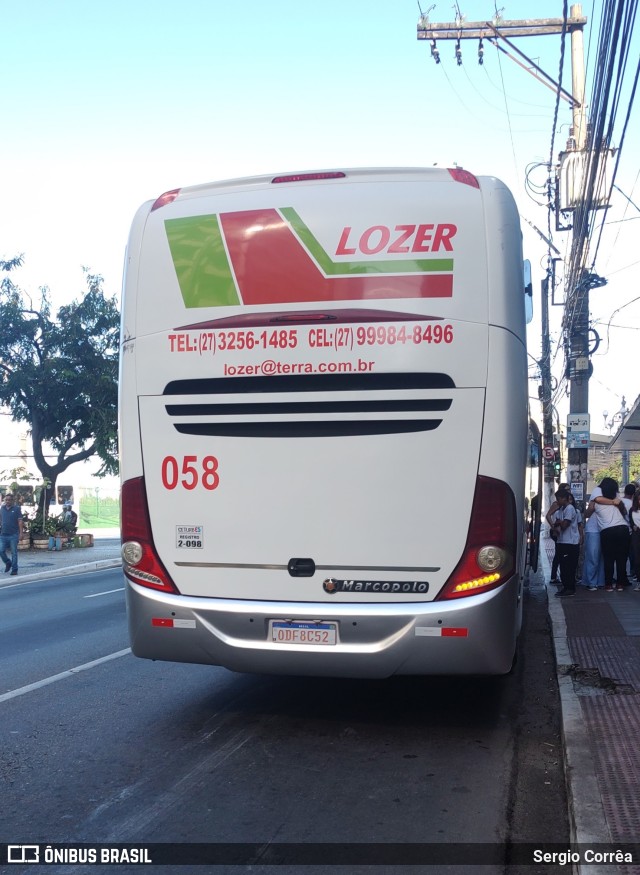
x=556, y=465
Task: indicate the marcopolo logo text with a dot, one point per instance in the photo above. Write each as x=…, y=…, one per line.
x=332, y=585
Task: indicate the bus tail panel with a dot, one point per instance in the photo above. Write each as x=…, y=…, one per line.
x=364, y=495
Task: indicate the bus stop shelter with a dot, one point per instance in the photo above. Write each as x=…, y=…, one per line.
x=628, y=435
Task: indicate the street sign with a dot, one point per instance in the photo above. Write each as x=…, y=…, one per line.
x=578, y=431
x=577, y=440
x=577, y=490
x=548, y=453
x=578, y=422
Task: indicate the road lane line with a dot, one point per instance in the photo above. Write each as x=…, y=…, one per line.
x=13, y=694
x=107, y=592
x=129, y=827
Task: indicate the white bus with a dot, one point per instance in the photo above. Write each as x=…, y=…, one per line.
x=323, y=419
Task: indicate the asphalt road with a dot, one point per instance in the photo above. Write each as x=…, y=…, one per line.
x=98, y=746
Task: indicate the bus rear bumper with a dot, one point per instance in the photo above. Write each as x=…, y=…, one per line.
x=475, y=635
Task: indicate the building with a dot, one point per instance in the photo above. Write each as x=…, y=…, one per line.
x=91, y=497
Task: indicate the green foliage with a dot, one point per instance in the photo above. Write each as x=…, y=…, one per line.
x=59, y=373
x=615, y=470
x=45, y=525
x=11, y=263
x=14, y=479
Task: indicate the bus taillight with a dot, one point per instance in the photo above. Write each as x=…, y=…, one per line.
x=309, y=177
x=459, y=174
x=167, y=198
x=140, y=561
x=488, y=559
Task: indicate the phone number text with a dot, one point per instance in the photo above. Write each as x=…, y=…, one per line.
x=337, y=337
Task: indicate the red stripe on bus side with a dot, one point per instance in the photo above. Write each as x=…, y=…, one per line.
x=272, y=267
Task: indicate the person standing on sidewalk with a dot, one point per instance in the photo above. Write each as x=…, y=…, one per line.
x=568, y=543
x=627, y=498
x=593, y=568
x=614, y=533
x=634, y=522
x=581, y=536
x=11, y=521
x=551, y=519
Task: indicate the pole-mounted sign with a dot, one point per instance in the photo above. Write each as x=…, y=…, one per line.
x=578, y=430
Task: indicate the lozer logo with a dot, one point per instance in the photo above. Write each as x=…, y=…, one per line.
x=271, y=256
x=398, y=241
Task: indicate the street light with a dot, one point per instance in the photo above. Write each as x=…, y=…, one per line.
x=619, y=418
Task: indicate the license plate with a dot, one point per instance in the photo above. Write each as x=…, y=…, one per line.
x=292, y=632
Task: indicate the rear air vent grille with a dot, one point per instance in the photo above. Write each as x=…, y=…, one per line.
x=236, y=407
x=268, y=407
x=307, y=428
x=308, y=383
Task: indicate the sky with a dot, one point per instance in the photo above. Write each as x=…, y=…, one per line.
x=107, y=105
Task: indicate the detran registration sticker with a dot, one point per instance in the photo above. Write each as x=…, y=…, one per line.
x=189, y=537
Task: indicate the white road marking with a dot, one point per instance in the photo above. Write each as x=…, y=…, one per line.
x=107, y=592
x=13, y=694
x=143, y=816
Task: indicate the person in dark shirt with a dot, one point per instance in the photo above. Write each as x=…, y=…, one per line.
x=11, y=521
x=70, y=519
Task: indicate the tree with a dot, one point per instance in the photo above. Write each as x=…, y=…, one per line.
x=60, y=374
x=615, y=470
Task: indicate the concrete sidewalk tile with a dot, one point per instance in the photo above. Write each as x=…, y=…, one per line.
x=597, y=643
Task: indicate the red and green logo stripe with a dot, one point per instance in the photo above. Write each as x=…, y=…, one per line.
x=271, y=257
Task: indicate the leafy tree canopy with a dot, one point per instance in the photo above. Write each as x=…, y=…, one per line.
x=615, y=470
x=59, y=373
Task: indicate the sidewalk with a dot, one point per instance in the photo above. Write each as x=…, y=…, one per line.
x=597, y=644
x=39, y=564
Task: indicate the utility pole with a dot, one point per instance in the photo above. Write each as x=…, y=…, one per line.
x=577, y=307
x=582, y=186
x=545, y=395
x=498, y=33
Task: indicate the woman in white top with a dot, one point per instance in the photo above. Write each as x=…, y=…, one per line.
x=614, y=533
x=593, y=568
x=568, y=543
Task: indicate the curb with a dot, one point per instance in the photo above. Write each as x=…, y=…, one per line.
x=587, y=819
x=66, y=570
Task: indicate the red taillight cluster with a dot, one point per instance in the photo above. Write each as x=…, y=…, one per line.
x=167, y=198
x=307, y=177
x=488, y=559
x=140, y=560
x=459, y=174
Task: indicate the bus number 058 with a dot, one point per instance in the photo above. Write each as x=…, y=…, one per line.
x=193, y=470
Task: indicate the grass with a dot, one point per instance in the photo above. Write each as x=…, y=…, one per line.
x=98, y=513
